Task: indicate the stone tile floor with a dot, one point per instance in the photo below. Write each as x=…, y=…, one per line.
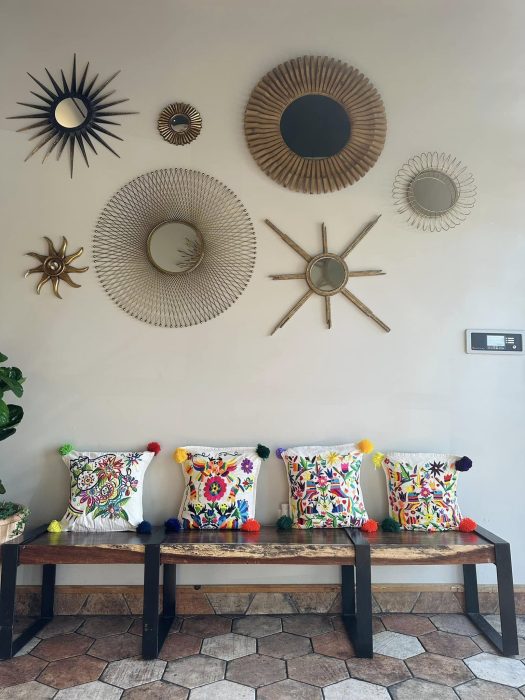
x=295, y=657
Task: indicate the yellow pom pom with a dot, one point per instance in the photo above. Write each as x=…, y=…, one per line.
x=180, y=455
x=377, y=459
x=54, y=526
x=365, y=446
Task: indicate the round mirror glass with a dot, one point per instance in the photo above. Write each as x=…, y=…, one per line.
x=433, y=192
x=71, y=112
x=327, y=274
x=179, y=123
x=315, y=126
x=175, y=246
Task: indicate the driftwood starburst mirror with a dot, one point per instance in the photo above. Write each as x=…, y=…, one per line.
x=327, y=274
x=75, y=112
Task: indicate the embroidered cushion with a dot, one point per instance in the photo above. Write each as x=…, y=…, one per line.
x=324, y=486
x=106, y=490
x=422, y=489
x=220, y=486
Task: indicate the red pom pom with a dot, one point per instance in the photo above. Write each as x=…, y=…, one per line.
x=467, y=525
x=251, y=525
x=369, y=526
x=154, y=447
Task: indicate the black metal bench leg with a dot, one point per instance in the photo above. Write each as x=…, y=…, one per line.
x=150, y=613
x=169, y=588
x=7, y=599
x=357, y=602
x=48, y=591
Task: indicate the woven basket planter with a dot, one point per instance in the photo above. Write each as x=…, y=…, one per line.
x=12, y=526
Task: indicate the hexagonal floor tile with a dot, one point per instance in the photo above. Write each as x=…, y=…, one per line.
x=206, y=625
x=317, y=670
x=104, y=625
x=229, y=646
x=94, y=691
x=156, y=691
x=307, y=625
x=129, y=673
x=32, y=690
x=355, y=689
x=477, y=689
x=118, y=646
x=416, y=689
x=62, y=647
x=257, y=625
x=484, y=644
x=455, y=645
x=74, y=671
x=195, y=670
x=455, y=623
x=289, y=690
x=179, y=645
x=284, y=646
x=381, y=670
x=497, y=669
x=256, y=670
x=20, y=670
x=223, y=690
x=439, y=669
x=406, y=623
x=334, y=644
x=61, y=624
x=400, y=646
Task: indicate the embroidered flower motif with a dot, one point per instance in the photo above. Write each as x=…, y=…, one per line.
x=322, y=481
x=86, y=480
x=214, y=488
x=107, y=492
x=247, y=465
x=332, y=458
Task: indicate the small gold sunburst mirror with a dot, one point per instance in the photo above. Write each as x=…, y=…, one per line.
x=179, y=123
x=55, y=266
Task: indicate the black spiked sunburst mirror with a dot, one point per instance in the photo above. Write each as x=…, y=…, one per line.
x=75, y=112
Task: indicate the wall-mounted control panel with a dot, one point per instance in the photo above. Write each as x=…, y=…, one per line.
x=495, y=342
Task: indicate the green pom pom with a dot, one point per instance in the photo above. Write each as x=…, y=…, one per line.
x=262, y=451
x=66, y=449
x=284, y=523
x=390, y=525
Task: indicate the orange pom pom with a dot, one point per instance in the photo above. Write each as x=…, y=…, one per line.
x=369, y=526
x=251, y=525
x=365, y=446
x=467, y=525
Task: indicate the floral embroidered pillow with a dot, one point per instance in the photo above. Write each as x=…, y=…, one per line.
x=106, y=490
x=220, y=486
x=324, y=486
x=422, y=489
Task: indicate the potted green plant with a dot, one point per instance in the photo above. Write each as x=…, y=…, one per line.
x=13, y=516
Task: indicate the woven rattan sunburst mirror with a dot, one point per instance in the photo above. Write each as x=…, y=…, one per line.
x=174, y=248
x=315, y=124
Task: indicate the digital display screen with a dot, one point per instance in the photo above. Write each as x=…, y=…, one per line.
x=495, y=341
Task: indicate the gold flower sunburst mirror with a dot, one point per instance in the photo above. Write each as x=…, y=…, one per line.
x=327, y=274
x=56, y=266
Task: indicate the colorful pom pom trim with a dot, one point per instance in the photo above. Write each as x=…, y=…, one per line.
x=369, y=526
x=377, y=459
x=65, y=449
x=172, y=525
x=262, y=451
x=251, y=525
x=154, y=447
x=467, y=525
x=390, y=525
x=279, y=452
x=54, y=526
x=144, y=528
x=284, y=523
x=463, y=464
x=180, y=455
x=365, y=446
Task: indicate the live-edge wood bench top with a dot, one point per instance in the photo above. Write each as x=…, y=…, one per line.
x=412, y=547
x=268, y=546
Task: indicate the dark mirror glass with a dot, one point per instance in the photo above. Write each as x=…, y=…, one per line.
x=315, y=126
x=327, y=274
x=179, y=122
x=433, y=192
x=71, y=112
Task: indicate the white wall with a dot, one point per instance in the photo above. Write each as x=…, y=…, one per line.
x=451, y=74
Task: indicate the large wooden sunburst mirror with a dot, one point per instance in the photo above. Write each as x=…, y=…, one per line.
x=327, y=274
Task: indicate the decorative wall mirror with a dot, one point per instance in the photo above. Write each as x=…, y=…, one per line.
x=315, y=124
x=55, y=265
x=174, y=248
x=327, y=274
x=73, y=113
x=435, y=191
x=179, y=123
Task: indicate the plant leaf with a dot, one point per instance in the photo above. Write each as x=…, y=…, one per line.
x=16, y=413
x=3, y=357
x=6, y=381
x=6, y=432
x=4, y=414
x=2, y=487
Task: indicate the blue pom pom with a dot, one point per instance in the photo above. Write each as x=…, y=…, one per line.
x=463, y=464
x=144, y=528
x=279, y=452
x=172, y=525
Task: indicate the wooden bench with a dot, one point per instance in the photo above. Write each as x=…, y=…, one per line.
x=50, y=549
x=465, y=548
